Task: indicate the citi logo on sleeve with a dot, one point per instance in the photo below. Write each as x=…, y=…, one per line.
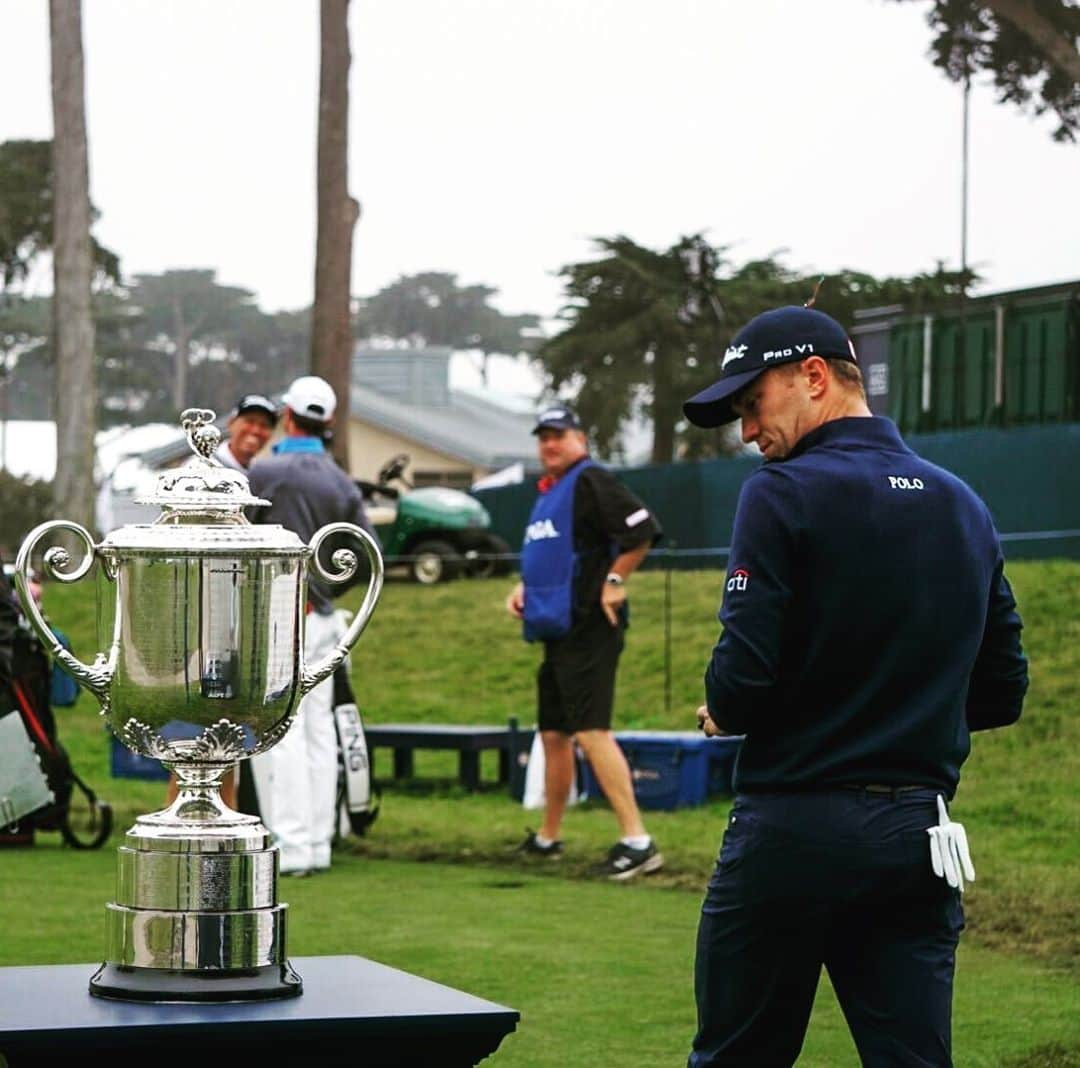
x=898, y=482
x=738, y=579
x=542, y=528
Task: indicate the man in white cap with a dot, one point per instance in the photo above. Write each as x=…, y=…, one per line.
x=297, y=779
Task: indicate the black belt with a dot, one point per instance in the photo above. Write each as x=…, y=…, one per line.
x=883, y=788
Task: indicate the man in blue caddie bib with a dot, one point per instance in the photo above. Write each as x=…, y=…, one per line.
x=586, y=535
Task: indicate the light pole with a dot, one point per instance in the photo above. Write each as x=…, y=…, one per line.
x=965, y=152
x=967, y=40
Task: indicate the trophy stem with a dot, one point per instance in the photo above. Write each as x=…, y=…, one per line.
x=198, y=798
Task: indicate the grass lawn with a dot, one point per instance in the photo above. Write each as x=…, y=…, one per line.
x=601, y=973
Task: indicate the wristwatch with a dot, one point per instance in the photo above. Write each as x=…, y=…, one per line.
x=613, y=579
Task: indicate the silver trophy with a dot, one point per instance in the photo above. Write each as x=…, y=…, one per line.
x=205, y=668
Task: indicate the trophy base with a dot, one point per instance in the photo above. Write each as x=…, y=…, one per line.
x=196, y=916
x=120, y=983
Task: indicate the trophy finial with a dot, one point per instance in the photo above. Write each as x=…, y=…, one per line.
x=203, y=436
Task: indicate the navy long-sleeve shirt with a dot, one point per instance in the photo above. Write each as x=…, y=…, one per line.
x=868, y=626
x=306, y=490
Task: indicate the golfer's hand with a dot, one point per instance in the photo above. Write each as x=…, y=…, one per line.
x=949, y=853
x=515, y=603
x=611, y=597
x=705, y=723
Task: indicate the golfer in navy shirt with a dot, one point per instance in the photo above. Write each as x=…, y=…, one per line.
x=868, y=629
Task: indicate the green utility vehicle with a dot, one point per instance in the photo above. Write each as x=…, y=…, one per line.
x=436, y=532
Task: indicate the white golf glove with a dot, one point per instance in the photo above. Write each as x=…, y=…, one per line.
x=949, y=853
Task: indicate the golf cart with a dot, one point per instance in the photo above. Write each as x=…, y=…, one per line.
x=436, y=532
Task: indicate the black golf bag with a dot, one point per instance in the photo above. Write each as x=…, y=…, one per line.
x=358, y=797
x=84, y=822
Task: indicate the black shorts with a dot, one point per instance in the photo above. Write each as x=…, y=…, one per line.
x=576, y=682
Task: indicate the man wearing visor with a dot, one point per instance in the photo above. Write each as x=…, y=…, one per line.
x=868, y=629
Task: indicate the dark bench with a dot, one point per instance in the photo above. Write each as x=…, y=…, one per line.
x=470, y=742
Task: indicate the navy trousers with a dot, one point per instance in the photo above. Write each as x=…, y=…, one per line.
x=840, y=879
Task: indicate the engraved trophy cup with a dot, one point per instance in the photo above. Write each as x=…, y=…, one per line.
x=205, y=667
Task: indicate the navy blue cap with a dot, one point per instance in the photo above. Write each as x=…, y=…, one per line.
x=782, y=335
x=557, y=417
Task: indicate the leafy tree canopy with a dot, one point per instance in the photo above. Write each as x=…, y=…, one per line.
x=26, y=216
x=192, y=298
x=647, y=329
x=136, y=351
x=1029, y=47
x=193, y=316
x=431, y=308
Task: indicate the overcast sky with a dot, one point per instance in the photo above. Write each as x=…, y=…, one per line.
x=493, y=138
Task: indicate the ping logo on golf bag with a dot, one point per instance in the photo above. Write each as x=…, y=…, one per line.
x=738, y=579
x=353, y=745
x=354, y=757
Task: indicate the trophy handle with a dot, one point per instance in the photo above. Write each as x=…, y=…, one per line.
x=345, y=562
x=95, y=678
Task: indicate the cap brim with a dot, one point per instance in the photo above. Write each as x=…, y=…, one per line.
x=554, y=426
x=257, y=408
x=712, y=406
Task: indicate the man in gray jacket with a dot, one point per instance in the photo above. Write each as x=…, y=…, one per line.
x=297, y=779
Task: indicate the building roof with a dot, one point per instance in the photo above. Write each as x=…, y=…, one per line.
x=464, y=426
x=406, y=392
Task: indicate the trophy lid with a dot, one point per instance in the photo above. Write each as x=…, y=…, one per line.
x=202, y=508
x=205, y=485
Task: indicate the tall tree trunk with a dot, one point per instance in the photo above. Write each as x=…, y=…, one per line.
x=73, y=325
x=331, y=327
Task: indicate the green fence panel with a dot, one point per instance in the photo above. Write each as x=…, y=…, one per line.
x=694, y=501
x=1040, y=362
x=977, y=404
x=905, y=375
x=946, y=369
x=509, y=507
x=1027, y=476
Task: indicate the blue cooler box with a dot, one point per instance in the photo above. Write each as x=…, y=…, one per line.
x=673, y=769
x=670, y=769
x=124, y=764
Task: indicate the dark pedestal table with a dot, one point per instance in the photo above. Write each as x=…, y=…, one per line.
x=353, y=1011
